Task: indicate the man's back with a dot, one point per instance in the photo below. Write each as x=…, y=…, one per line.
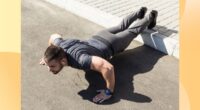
x=79, y=52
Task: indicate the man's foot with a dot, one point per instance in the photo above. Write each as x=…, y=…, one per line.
x=153, y=16
x=142, y=12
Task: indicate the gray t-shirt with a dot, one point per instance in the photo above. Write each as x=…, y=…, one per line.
x=79, y=53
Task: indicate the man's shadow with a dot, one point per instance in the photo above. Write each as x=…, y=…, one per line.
x=127, y=64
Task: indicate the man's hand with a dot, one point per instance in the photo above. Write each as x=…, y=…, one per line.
x=42, y=62
x=53, y=37
x=102, y=96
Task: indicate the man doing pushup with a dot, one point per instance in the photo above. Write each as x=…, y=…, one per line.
x=93, y=54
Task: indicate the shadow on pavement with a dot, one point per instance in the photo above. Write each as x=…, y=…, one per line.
x=127, y=64
x=165, y=31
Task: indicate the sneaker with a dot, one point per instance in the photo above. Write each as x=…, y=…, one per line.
x=142, y=12
x=154, y=15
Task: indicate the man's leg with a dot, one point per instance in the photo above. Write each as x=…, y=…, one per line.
x=109, y=34
x=121, y=40
x=128, y=20
x=124, y=38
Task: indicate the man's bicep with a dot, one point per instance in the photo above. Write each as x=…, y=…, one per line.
x=99, y=64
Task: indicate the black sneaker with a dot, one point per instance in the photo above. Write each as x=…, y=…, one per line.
x=153, y=16
x=142, y=12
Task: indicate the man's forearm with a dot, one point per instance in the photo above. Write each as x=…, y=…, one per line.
x=106, y=69
x=109, y=77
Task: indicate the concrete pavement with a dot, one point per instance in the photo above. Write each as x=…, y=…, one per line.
x=145, y=78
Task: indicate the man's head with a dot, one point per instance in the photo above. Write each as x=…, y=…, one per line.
x=55, y=58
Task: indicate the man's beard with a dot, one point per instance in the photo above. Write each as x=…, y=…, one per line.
x=56, y=72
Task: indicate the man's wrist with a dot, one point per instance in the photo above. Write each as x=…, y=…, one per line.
x=108, y=92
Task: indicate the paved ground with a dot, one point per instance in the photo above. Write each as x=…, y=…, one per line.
x=145, y=78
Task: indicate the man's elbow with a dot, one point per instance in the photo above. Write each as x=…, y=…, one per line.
x=109, y=70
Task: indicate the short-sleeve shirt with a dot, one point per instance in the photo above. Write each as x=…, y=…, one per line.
x=79, y=53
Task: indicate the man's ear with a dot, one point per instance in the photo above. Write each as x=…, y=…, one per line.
x=64, y=61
